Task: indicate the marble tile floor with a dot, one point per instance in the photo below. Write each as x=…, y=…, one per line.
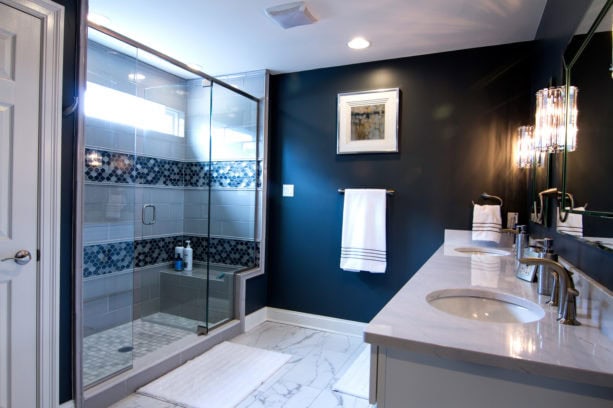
x=318, y=360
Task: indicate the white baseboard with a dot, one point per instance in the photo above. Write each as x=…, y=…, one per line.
x=308, y=320
x=67, y=404
x=255, y=318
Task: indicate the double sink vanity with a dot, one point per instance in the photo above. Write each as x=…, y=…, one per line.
x=465, y=331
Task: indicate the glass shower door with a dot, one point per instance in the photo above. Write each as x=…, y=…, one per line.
x=108, y=224
x=234, y=181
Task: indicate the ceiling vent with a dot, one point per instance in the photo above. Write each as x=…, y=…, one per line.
x=291, y=14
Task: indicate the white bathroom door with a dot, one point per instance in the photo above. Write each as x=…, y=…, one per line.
x=20, y=73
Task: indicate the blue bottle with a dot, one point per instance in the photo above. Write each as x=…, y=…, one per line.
x=178, y=263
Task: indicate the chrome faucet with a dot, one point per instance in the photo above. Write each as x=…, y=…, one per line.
x=566, y=292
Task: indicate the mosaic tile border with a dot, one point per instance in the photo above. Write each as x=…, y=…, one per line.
x=104, y=166
x=107, y=258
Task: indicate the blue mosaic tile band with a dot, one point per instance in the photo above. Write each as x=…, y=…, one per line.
x=111, y=167
x=155, y=250
x=107, y=258
x=196, y=174
x=226, y=251
x=237, y=174
x=103, y=259
x=150, y=170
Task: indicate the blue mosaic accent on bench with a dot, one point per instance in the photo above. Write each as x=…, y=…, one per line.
x=104, y=259
x=112, y=167
x=155, y=250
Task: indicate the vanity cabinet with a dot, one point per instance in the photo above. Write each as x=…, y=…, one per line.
x=424, y=357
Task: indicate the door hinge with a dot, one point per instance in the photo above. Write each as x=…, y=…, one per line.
x=38, y=255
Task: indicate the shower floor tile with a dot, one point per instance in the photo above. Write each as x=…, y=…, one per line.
x=108, y=352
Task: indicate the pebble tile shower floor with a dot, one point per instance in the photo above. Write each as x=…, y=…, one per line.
x=318, y=360
x=106, y=352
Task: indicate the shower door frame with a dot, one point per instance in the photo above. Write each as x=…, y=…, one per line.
x=240, y=282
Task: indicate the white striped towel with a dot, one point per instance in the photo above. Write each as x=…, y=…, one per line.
x=363, y=246
x=487, y=223
x=573, y=224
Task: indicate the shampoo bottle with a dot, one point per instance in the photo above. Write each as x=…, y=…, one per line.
x=179, y=251
x=188, y=256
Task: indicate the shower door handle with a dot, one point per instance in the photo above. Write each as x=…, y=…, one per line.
x=143, y=216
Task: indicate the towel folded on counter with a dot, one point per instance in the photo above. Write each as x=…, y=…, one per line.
x=487, y=223
x=363, y=246
x=573, y=224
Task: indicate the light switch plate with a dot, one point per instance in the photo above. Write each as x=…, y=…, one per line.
x=288, y=190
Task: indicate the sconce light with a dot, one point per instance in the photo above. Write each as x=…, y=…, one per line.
x=527, y=155
x=550, y=122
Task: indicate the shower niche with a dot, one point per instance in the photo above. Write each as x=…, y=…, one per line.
x=170, y=155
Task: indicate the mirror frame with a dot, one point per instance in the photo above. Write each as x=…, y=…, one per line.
x=567, y=79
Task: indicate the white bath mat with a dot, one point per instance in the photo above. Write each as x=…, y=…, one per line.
x=222, y=377
x=356, y=379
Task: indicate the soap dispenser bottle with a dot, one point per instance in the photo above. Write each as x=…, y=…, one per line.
x=544, y=275
x=521, y=242
x=188, y=256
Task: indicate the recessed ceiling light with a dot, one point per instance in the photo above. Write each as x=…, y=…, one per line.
x=358, y=43
x=98, y=19
x=136, y=76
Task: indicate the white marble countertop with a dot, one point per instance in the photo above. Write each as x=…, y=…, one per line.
x=544, y=347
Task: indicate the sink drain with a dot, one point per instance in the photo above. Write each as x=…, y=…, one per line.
x=125, y=349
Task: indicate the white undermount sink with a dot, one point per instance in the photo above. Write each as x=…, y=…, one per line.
x=482, y=251
x=485, y=305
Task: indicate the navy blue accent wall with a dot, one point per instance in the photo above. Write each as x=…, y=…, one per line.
x=257, y=291
x=559, y=21
x=458, y=114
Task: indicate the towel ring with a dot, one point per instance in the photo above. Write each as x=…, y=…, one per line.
x=486, y=196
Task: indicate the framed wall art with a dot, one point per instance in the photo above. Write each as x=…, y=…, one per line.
x=368, y=121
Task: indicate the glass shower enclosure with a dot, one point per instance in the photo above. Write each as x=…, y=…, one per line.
x=171, y=158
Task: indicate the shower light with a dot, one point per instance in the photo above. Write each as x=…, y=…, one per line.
x=358, y=43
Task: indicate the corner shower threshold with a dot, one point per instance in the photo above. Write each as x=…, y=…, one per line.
x=156, y=364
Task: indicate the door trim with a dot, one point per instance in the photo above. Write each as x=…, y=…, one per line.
x=50, y=132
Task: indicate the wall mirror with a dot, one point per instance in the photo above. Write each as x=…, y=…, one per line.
x=540, y=180
x=587, y=171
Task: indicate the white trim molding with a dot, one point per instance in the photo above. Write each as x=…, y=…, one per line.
x=308, y=320
x=52, y=19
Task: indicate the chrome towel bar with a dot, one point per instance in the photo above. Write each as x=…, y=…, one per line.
x=389, y=192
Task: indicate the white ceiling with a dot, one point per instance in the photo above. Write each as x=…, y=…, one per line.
x=230, y=36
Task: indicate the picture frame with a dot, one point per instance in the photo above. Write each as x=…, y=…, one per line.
x=368, y=121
